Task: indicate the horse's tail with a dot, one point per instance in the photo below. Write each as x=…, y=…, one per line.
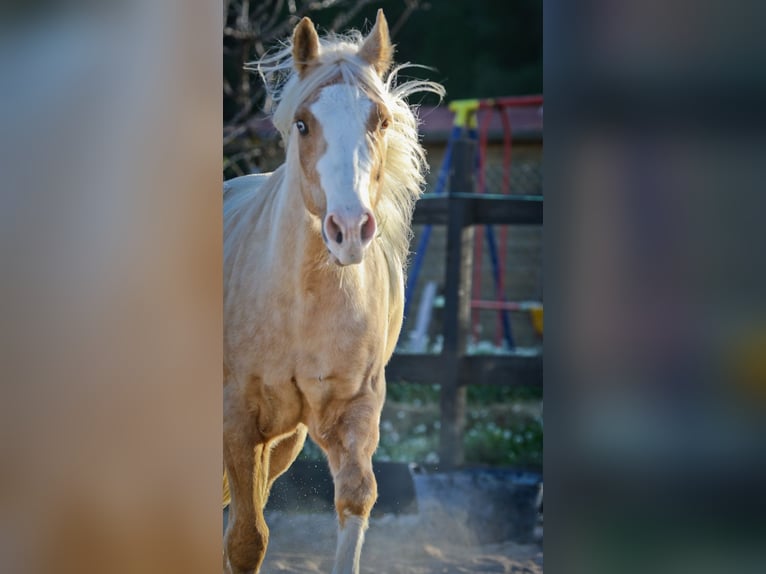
x=226, y=493
x=281, y=454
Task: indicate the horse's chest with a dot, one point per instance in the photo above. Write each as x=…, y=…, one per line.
x=337, y=340
x=326, y=333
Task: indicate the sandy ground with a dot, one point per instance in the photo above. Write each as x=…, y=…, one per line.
x=430, y=542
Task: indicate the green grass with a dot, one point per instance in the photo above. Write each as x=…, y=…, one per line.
x=476, y=395
x=503, y=427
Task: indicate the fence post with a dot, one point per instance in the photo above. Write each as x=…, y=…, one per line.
x=457, y=305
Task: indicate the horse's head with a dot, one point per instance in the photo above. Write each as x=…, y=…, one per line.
x=340, y=135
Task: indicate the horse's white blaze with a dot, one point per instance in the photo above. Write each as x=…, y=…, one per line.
x=346, y=166
x=350, y=540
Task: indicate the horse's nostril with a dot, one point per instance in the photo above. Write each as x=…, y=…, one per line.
x=339, y=228
x=334, y=229
x=368, y=227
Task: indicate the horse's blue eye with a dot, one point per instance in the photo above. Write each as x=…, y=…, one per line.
x=303, y=129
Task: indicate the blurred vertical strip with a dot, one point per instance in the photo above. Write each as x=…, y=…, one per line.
x=655, y=453
x=110, y=242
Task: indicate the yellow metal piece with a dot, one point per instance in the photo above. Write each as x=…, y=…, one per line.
x=465, y=112
x=537, y=319
x=746, y=362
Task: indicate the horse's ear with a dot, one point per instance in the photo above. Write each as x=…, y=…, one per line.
x=377, y=49
x=305, y=46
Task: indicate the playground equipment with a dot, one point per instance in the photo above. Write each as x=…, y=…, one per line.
x=472, y=122
x=461, y=210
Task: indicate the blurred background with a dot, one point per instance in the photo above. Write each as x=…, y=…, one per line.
x=656, y=279
x=110, y=218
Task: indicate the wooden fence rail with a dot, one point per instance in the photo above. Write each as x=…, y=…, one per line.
x=453, y=369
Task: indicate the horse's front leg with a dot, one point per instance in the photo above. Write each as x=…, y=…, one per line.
x=351, y=439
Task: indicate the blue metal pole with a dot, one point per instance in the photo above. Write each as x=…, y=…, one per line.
x=505, y=319
x=420, y=252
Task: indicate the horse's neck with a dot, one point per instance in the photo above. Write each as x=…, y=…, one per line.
x=298, y=243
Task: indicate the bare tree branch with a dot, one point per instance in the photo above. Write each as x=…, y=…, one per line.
x=249, y=28
x=410, y=7
x=345, y=17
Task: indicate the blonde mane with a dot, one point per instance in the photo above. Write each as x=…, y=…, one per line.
x=405, y=168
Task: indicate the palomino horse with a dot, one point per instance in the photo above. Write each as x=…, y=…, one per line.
x=313, y=271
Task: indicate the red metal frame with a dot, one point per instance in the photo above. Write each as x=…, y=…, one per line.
x=486, y=109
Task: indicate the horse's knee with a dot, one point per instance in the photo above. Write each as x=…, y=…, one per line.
x=355, y=491
x=246, y=547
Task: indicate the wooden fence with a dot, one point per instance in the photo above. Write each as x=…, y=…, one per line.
x=453, y=369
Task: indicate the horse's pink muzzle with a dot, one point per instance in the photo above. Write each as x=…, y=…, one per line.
x=348, y=233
